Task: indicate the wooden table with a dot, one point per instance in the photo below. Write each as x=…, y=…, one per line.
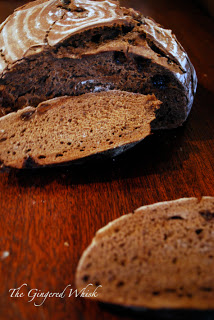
x=48, y=217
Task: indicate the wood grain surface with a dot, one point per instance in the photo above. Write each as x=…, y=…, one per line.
x=49, y=216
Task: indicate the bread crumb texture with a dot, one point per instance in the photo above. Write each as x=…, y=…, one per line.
x=69, y=128
x=162, y=256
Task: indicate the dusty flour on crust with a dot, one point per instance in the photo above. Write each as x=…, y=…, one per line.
x=75, y=47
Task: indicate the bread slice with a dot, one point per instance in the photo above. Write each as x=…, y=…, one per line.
x=69, y=128
x=162, y=256
x=78, y=46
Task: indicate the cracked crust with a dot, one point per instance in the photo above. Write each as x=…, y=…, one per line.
x=49, y=22
x=55, y=36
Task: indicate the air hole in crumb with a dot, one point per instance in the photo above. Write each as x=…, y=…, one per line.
x=176, y=218
x=69, y=120
x=3, y=139
x=116, y=230
x=123, y=263
x=156, y=293
x=14, y=153
x=85, y=278
x=170, y=290
x=134, y=258
x=28, y=150
x=207, y=215
x=198, y=231
x=13, y=135
x=111, y=142
x=120, y=284
x=61, y=142
x=97, y=283
x=174, y=260
x=68, y=143
x=41, y=157
x=206, y=289
x=59, y=155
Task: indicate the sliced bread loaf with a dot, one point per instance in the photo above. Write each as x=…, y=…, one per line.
x=162, y=256
x=69, y=128
x=78, y=46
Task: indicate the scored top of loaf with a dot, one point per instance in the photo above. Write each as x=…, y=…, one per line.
x=48, y=22
x=42, y=24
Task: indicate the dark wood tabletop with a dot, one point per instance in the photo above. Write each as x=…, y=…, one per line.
x=49, y=216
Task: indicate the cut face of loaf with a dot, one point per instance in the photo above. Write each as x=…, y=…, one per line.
x=75, y=47
x=162, y=256
x=70, y=128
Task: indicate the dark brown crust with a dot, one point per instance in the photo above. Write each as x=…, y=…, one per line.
x=143, y=38
x=30, y=163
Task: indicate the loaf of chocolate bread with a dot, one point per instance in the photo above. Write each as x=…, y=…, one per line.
x=52, y=48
